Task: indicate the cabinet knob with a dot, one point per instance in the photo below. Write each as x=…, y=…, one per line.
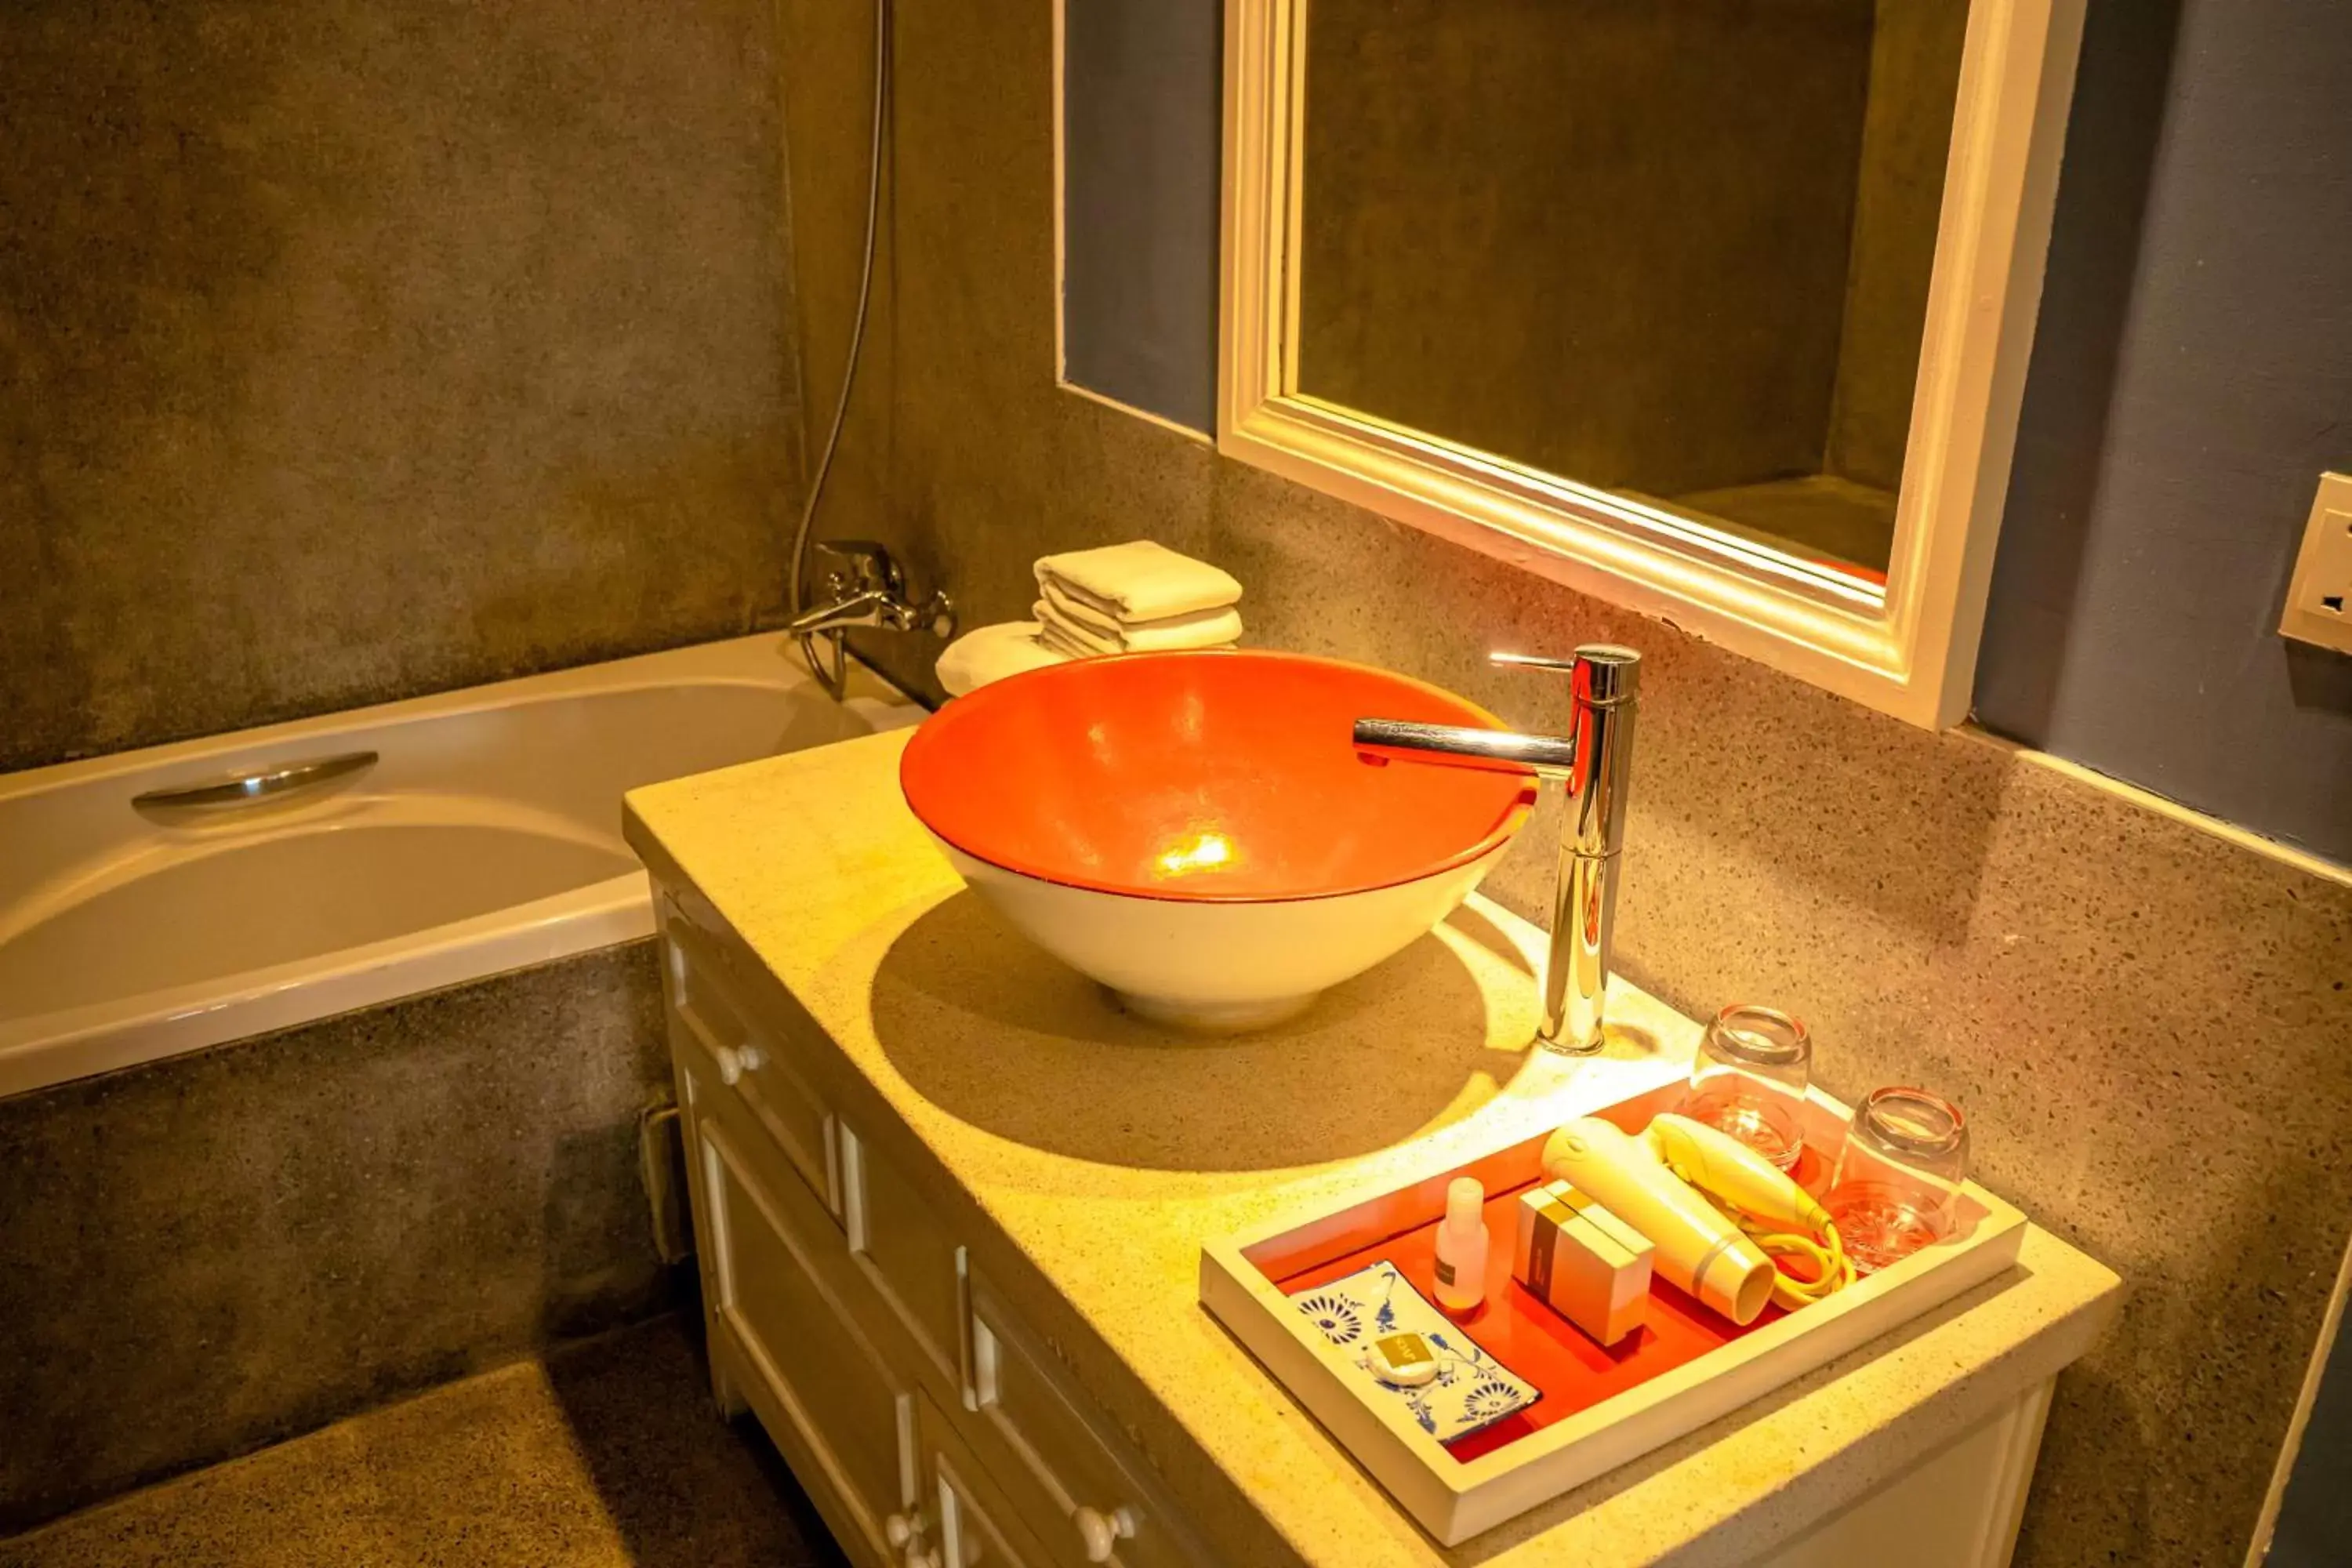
x=902, y=1529
x=1101, y=1532
x=734, y=1061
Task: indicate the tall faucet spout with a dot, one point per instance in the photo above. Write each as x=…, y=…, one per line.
x=1455, y=745
x=1593, y=762
x=1606, y=679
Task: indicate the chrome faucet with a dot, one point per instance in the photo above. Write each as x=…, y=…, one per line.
x=867, y=589
x=1593, y=761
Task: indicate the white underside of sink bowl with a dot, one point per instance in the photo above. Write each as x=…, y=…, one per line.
x=1225, y=1018
x=1220, y=968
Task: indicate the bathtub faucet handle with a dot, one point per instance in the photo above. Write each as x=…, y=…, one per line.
x=865, y=566
x=866, y=589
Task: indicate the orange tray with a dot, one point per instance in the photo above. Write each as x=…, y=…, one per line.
x=1533, y=1342
x=1684, y=1366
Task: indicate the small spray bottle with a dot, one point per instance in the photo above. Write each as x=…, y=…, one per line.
x=1462, y=1248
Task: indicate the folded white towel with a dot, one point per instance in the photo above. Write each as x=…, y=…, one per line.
x=1068, y=607
x=1199, y=628
x=991, y=653
x=1212, y=628
x=1138, y=581
x=1055, y=632
x=1055, y=639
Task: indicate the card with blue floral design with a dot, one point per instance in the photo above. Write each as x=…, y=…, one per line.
x=1472, y=1390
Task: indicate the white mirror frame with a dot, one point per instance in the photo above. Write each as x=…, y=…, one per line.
x=1911, y=653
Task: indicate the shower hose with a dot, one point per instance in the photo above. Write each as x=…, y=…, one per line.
x=797, y=588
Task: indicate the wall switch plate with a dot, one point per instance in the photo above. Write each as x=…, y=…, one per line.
x=2319, y=599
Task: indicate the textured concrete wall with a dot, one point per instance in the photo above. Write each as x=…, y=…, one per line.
x=349, y=350
x=211, y=1253
x=1608, y=239
x=2147, y=1024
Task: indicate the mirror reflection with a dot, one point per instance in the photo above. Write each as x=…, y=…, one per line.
x=1677, y=249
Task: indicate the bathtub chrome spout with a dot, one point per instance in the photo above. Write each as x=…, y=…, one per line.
x=867, y=590
x=1593, y=761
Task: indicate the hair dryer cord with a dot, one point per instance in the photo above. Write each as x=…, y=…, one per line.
x=1831, y=1271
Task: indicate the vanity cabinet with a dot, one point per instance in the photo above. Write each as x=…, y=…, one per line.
x=932, y=1426
x=929, y=1423
x=974, y=1327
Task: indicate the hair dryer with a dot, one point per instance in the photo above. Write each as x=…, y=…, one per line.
x=1655, y=1184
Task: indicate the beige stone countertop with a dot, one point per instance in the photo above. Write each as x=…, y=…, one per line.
x=1108, y=1151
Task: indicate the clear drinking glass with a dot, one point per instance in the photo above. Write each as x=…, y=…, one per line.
x=1749, y=1079
x=1898, y=1186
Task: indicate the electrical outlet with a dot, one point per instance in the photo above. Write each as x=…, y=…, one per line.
x=2319, y=599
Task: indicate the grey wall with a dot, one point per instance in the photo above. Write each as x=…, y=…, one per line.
x=2192, y=378
x=349, y=351
x=1139, y=187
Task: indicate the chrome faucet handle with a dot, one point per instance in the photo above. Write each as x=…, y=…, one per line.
x=1530, y=661
x=867, y=589
x=936, y=614
x=870, y=567
x=1605, y=672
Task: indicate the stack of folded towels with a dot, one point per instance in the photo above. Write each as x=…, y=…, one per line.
x=1134, y=598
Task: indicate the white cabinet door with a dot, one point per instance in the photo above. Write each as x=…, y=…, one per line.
x=808, y=1366
x=1957, y=1507
x=974, y=1525
x=1045, y=1444
x=906, y=1254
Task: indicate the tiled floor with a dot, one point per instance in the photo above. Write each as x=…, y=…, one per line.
x=607, y=1454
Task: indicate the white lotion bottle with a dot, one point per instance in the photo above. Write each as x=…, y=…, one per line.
x=1462, y=1247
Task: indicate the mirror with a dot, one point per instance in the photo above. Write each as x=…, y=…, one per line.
x=1713, y=308
x=1676, y=250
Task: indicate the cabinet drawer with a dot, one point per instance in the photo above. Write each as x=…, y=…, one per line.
x=906, y=1254
x=853, y=1418
x=970, y=1520
x=1087, y=1501
x=705, y=1005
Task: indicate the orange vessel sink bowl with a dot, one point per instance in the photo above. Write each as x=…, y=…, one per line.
x=1198, y=832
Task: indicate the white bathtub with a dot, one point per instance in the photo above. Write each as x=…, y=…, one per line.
x=486, y=836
